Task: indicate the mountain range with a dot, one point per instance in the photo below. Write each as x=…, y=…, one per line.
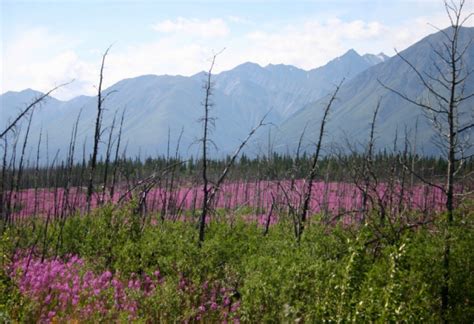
x=351, y=114
x=161, y=107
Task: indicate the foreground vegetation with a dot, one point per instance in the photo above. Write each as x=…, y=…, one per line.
x=117, y=265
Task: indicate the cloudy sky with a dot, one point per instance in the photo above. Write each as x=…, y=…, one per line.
x=45, y=43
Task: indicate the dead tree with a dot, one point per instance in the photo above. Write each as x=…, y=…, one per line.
x=314, y=166
x=97, y=133
x=12, y=166
x=3, y=184
x=288, y=193
x=116, y=158
x=37, y=172
x=20, y=166
x=445, y=111
x=108, y=153
x=206, y=120
x=210, y=190
x=371, y=181
x=69, y=166
x=269, y=215
x=66, y=208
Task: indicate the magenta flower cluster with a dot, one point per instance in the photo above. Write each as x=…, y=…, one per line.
x=66, y=290
x=63, y=289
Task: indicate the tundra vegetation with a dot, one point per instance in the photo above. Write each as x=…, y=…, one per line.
x=352, y=235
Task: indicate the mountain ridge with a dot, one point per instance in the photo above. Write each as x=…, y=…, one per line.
x=156, y=103
x=359, y=96
x=241, y=97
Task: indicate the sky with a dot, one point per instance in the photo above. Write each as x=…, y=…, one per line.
x=46, y=43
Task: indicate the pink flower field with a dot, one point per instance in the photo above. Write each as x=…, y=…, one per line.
x=334, y=198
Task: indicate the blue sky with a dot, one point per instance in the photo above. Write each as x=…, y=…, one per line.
x=44, y=43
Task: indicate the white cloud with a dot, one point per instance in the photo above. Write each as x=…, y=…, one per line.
x=313, y=42
x=193, y=27
x=40, y=59
x=165, y=56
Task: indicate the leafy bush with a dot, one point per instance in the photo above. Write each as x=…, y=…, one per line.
x=147, y=270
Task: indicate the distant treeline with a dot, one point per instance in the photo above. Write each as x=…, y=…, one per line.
x=274, y=167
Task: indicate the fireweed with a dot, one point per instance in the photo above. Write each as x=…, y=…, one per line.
x=63, y=289
x=334, y=198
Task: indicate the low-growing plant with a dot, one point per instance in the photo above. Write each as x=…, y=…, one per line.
x=335, y=273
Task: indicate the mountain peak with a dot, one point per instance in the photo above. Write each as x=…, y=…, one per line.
x=27, y=94
x=30, y=92
x=242, y=70
x=350, y=53
x=248, y=66
x=349, y=58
